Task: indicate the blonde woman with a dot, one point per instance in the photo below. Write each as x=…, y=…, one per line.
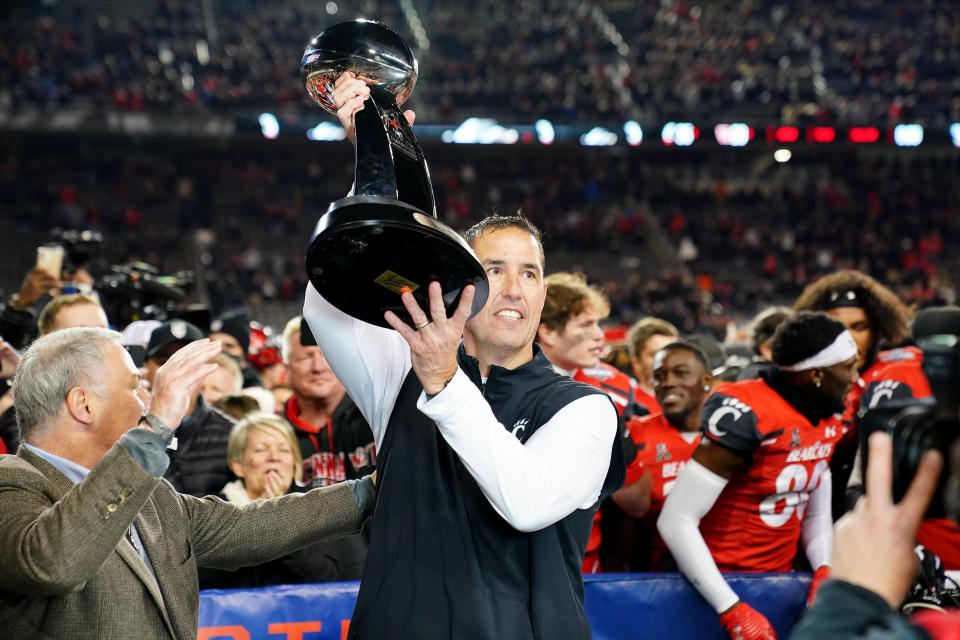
x=263, y=454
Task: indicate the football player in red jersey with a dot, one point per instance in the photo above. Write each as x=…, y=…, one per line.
x=760, y=481
x=646, y=337
x=875, y=317
x=665, y=441
x=571, y=338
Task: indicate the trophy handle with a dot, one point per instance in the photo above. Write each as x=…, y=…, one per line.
x=389, y=160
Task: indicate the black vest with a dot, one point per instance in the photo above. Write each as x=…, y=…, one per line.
x=442, y=563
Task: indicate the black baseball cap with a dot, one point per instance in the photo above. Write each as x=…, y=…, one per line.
x=172, y=332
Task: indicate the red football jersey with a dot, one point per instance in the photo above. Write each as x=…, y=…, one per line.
x=618, y=385
x=755, y=524
x=896, y=375
x=646, y=400
x=663, y=450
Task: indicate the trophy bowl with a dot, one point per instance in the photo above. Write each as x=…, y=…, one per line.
x=371, y=50
x=384, y=238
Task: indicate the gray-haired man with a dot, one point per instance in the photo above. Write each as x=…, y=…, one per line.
x=94, y=544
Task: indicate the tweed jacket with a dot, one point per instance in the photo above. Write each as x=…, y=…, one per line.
x=68, y=571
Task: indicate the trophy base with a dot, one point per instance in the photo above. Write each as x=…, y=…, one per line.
x=365, y=249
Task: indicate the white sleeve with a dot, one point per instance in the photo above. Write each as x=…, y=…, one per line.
x=371, y=362
x=816, y=530
x=692, y=497
x=561, y=467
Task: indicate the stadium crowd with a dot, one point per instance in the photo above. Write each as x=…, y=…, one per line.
x=614, y=60
x=743, y=235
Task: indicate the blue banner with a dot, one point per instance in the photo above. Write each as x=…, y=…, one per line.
x=620, y=607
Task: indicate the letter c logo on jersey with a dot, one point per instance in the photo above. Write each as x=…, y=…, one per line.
x=519, y=427
x=729, y=407
x=883, y=392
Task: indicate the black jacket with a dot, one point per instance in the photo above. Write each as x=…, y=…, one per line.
x=352, y=456
x=442, y=562
x=198, y=465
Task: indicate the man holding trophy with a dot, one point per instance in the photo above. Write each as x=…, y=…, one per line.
x=491, y=465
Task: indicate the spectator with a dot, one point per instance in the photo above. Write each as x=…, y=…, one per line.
x=73, y=310
x=198, y=464
x=232, y=330
x=226, y=380
x=87, y=517
x=333, y=435
x=264, y=455
x=61, y=312
x=647, y=336
x=18, y=323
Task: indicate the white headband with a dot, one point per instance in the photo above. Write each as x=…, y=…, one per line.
x=840, y=350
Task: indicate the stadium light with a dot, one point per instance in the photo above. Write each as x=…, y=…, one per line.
x=269, y=125
x=326, y=132
x=863, y=135
x=633, y=133
x=955, y=133
x=546, y=134
x=782, y=155
x=681, y=134
x=480, y=131
x=786, y=134
x=736, y=134
x=907, y=135
x=822, y=134
x=598, y=137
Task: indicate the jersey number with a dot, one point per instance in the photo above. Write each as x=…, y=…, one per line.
x=793, y=493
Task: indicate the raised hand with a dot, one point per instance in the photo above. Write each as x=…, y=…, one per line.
x=349, y=94
x=179, y=380
x=9, y=360
x=36, y=284
x=433, y=340
x=886, y=564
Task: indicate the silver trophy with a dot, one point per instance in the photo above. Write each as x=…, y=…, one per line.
x=370, y=246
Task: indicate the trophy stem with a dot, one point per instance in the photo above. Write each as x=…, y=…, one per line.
x=375, y=173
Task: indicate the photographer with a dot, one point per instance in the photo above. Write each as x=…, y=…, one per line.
x=911, y=439
x=18, y=320
x=869, y=581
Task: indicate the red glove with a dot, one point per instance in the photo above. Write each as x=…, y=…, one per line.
x=821, y=575
x=743, y=622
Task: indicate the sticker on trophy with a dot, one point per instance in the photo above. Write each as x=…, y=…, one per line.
x=396, y=282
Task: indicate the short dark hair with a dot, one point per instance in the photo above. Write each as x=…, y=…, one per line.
x=496, y=222
x=683, y=344
x=889, y=317
x=804, y=335
x=765, y=324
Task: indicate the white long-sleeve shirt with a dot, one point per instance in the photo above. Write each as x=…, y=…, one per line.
x=532, y=485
